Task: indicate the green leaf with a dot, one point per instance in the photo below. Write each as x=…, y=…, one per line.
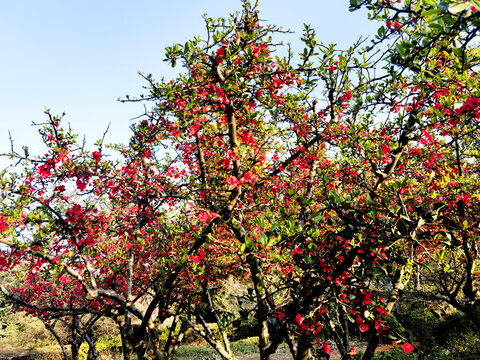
x=367, y=314
x=431, y=12
x=249, y=243
x=447, y=269
x=308, y=260
x=353, y=3
x=381, y=31
x=263, y=239
x=401, y=49
x=260, y=221
x=291, y=224
x=272, y=229
x=457, y=8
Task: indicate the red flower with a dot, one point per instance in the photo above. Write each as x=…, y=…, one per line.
x=363, y=327
x=59, y=188
x=381, y=311
x=226, y=163
x=81, y=185
x=3, y=227
x=206, y=216
x=367, y=299
x=395, y=25
x=44, y=171
x=232, y=181
x=220, y=54
x=221, y=51
x=96, y=156
x=199, y=257
x=299, y=319
x=327, y=349
x=407, y=348
x=416, y=150
x=250, y=177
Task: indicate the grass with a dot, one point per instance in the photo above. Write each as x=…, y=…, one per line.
x=190, y=352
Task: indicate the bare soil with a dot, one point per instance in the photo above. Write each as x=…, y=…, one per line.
x=335, y=355
x=21, y=354
x=54, y=355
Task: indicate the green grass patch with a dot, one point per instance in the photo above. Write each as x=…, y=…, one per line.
x=189, y=352
x=241, y=348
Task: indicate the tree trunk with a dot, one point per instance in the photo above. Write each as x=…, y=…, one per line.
x=304, y=349
x=75, y=346
x=92, y=350
x=59, y=340
x=371, y=347
x=398, y=286
x=126, y=348
x=290, y=339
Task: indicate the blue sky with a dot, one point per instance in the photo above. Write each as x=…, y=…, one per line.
x=79, y=57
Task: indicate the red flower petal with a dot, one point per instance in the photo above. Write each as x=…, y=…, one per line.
x=407, y=348
x=327, y=349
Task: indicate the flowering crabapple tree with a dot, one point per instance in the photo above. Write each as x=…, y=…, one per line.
x=433, y=102
x=436, y=55
x=98, y=237
x=272, y=169
x=349, y=188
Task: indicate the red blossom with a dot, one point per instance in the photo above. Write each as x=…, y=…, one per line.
x=232, y=181
x=250, y=177
x=367, y=300
x=3, y=226
x=199, y=257
x=363, y=327
x=381, y=310
x=407, y=348
x=206, y=216
x=81, y=185
x=44, y=171
x=299, y=319
x=96, y=156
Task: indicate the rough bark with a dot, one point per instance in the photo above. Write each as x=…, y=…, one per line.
x=398, y=286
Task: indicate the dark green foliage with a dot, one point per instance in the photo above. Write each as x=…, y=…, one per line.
x=451, y=337
x=394, y=355
x=420, y=325
x=457, y=333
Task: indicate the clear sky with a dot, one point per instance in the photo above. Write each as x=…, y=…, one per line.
x=79, y=57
